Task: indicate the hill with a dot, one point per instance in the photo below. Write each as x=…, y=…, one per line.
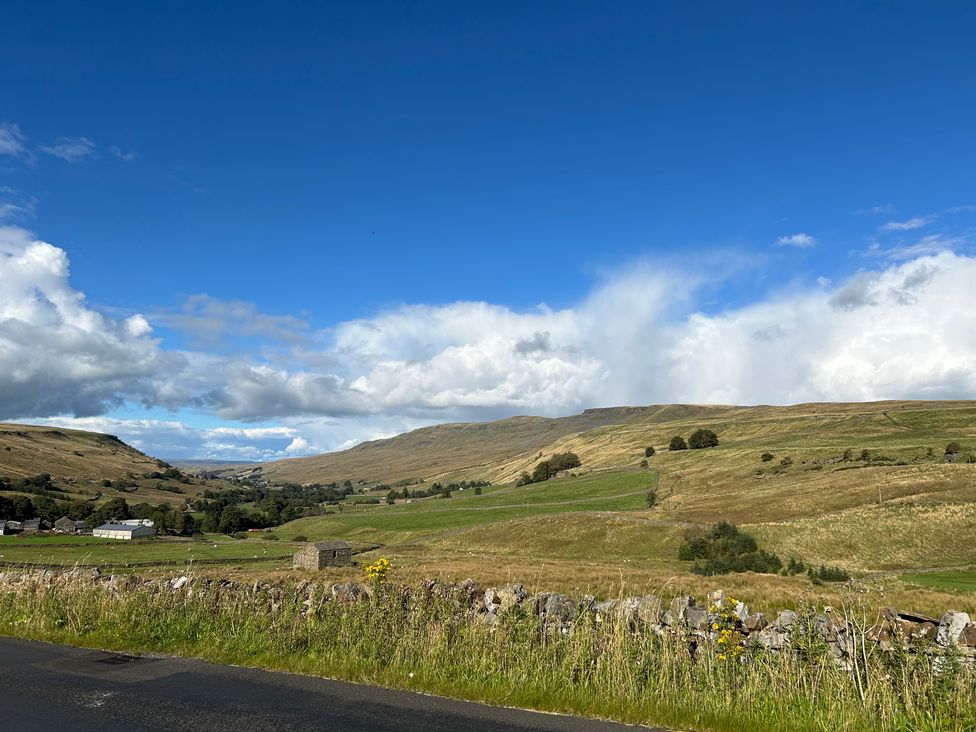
x=607, y=438
x=865, y=487
x=27, y=450
x=443, y=449
x=79, y=463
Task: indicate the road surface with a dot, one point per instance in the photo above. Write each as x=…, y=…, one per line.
x=51, y=687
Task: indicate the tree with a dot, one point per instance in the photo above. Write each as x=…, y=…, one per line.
x=652, y=498
x=23, y=508
x=702, y=438
x=678, y=443
x=391, y=497
x=648, y=452
x=211, y=516
x=952, y=448
x=477, y=490
x=542, y=472
x=767, y=456
x=563, y=461
x=112, y=510
x=231, y=520
x=723, y=549
x=644, y=463
x=186, y=525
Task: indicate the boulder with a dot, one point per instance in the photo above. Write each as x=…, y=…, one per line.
x=696, y=617
x=951, y=626
x=755, y=622
x=350, y=592
x=676, y=610
x=923, y=633
x=741, y=611
x=785, y=621
x=649, y=609
x=772, y=638
x=473, y=592
x=553, y=607
x=968, y=636
x=606, y=611
x=499, y=599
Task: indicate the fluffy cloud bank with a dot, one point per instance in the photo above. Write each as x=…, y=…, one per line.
x=58, y=355
x=904, y=330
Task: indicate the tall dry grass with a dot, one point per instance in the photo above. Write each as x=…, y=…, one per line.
x=427, y=639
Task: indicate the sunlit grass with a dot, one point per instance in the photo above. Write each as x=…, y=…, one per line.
x=416, y=639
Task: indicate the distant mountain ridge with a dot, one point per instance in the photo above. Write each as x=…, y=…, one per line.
x=607, y=437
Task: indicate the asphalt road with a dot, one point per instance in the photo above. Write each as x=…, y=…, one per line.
x=52, y=687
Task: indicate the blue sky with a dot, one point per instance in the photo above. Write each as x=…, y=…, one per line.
x=339, y=221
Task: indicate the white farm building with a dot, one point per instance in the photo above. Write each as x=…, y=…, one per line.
x=123, y=531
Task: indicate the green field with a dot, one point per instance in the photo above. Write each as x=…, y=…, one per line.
x=613, y=491
x=952, y=581
x=88, y=551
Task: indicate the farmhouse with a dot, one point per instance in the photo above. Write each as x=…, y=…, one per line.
x=9, y=527
x=35, y=524
x=121, y=531
x=323, y=554
x=65, y=525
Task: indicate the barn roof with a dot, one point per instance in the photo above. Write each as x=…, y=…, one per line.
x=119, y=527
x=332, y=545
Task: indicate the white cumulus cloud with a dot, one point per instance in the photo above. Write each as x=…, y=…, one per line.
x=800, y=241
x=904, y=328
x=57, y=354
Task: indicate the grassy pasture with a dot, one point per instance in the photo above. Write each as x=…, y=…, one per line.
x=89, y=551
x=952, y=581
x=616, y=491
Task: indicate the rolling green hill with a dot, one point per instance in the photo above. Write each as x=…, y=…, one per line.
x=865, y=487
x=608, y=438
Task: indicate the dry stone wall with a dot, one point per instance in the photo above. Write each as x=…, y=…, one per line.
x=697, y=623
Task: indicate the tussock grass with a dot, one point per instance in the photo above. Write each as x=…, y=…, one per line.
x=423, y=639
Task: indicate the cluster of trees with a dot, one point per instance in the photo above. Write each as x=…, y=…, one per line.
x=274, y=506
x=223, y=517
x=817, y=575
x=40, y=485
x=548, y=468
x=304, y=495
x=724, y=548
x=169, y=474
x=442, y=490
x=222, y=512
x=699, y=439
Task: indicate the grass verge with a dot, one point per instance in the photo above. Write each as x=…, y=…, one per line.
x=425, y=638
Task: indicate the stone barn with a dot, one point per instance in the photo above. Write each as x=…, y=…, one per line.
x=323, y=554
